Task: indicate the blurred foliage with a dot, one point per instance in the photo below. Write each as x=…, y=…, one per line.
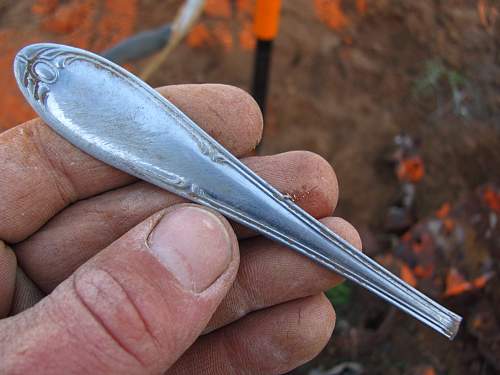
x=437, y=77
x=435, y=73
x=340, y=295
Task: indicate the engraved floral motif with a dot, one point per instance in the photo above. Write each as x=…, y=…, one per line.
x=41, y=68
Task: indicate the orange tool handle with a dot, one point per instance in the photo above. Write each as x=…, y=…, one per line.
x=267, y=17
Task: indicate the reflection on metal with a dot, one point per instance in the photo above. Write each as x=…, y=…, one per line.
x=115, y=117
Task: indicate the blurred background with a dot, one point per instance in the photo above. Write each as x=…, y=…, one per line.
x=401, y=97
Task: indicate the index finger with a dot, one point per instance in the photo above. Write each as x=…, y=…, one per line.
x=41, y=173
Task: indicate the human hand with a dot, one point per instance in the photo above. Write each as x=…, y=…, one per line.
x=126, y=278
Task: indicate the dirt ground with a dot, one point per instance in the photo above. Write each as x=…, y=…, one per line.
x=344, y=85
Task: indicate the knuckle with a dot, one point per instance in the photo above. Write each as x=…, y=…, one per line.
x=319, y=166
x=116, y=317
x=329, y=315
x=50, y=159
x=315, y=321
x=246, y=101
x=319, y=180
x=248, y=112
x=345, y=230
x=325, y=321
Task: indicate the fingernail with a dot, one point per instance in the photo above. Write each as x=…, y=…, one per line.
x=194, y=245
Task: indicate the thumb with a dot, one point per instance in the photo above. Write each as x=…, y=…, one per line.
x=133, y=308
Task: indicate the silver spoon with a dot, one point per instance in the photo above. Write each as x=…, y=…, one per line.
x=112, y=115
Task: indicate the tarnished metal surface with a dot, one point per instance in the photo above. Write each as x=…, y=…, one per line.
x=115, y=117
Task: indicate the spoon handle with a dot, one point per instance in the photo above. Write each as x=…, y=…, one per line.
x=117, y=118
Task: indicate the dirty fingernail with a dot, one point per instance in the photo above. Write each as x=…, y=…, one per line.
x=194, y=245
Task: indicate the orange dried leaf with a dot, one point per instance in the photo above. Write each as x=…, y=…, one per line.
x=246, y=36
x=117, y=21
x=389, y=262
x=406, y=237
x=482, y=11
x=424, y=271
x=44, y=7
x=347, y=40
x=245, y=6
x=456, y=283
x=218, y=8
x=422, y=244
x=429, y=371
x=66, y=18
x=411, y=169
x=331, y=13
x=407, y=275
x=361, y=6
x=477, y=322
x=223, y=34
x=198, y=36
x=492, y=199
x=443, y=211
x=417, y=247
x=481, y=281
x=449, y=225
